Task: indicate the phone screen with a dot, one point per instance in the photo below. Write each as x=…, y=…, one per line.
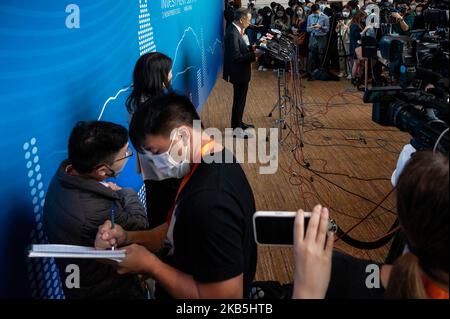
x=275, y=230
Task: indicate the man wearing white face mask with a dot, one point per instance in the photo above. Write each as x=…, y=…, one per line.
x=207, y=249
x=79, y=200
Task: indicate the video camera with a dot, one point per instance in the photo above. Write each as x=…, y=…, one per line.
x=419, y=104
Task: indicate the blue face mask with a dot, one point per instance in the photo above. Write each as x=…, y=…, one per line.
x=322, y=7
x=306, y=9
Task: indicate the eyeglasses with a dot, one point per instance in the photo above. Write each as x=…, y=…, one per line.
x=128, y=154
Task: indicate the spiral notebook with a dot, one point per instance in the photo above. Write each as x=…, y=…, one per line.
x=71, y=251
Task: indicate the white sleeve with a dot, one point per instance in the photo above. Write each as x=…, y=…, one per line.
x=404, y=157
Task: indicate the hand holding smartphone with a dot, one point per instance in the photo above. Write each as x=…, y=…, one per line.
x=276, y=228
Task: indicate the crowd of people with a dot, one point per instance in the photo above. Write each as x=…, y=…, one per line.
x=329, y=34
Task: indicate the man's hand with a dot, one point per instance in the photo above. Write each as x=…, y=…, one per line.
x=316, y=26
x=137, y=260
x=114, y=187
x=108, y=237
x=258, y=53
x=396, y=15
x=313, y=255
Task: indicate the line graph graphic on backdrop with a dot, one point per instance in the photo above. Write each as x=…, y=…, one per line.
x=188, y=73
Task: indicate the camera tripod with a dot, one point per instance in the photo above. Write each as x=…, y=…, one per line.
x=282, y=103
x=287, y=101
x=345, y=55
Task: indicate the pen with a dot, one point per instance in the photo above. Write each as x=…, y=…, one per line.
x=113, y=213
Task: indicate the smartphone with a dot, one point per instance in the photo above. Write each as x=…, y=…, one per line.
x=277, y=228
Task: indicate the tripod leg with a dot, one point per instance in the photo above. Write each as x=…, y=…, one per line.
x=366, y=73
x=278, y=103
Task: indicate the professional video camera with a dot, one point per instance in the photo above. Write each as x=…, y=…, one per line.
x=419, y=105
x=435, y=16
x=386, y=10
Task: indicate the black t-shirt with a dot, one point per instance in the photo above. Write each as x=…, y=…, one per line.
x=348, y=278
x=213, y=234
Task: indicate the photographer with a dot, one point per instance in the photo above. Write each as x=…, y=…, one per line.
x=404, y=20
x=421, y=273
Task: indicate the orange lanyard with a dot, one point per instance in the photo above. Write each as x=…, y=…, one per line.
x=433, y=291
x=205, y=149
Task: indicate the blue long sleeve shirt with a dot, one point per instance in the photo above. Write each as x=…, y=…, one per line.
x=322, y=20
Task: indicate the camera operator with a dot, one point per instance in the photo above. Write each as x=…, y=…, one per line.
x=404, y=20
x=343, y=32
x=421, y=273
x=318, y=27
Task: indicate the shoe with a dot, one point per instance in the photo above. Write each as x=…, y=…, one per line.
x=245, y=126
x=260, y=68
x=349, y=77
x=264, y=70
x=240, y=133
x=341, y=74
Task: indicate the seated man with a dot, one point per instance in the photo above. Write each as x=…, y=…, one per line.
x=79, y=201
x=209, y=251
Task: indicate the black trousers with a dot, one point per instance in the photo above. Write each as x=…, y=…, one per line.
x=160, y=197
x=239, y=98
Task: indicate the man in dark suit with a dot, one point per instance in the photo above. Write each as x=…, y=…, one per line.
x=237, y=67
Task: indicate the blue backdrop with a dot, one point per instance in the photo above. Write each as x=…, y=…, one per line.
x=61, y=62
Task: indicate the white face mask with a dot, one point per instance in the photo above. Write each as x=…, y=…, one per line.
x=117, y=173
x=345, y=14
x=168, y=166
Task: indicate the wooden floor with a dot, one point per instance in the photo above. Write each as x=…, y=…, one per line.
x=340, y=141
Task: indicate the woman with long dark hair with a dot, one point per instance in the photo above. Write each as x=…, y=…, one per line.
x=152, y=76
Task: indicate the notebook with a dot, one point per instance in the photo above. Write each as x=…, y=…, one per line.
x=71, y=251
